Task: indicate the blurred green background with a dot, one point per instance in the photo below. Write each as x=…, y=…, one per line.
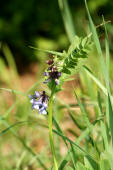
x=39, y=23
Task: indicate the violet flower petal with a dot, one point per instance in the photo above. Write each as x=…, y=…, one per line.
x=37, y=95
x=57, y=81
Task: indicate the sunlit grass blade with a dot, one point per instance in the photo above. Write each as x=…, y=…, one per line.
x=107, y=48
x=98, y=47
x=4, y=72
x=59, y=129
x=73, y=156
x=103, y=125
x=90, y=89
x=110, y=118
x=80, y=124
x=99, y=84
x=11, y=62
x=80, y=166
x=56, y=125
x=74, y=144
x=83, y=135
x=63, y=163
x=13, y=91
x=69, y=167
x=10, y=58
x=67, y=19
x=104, y=165
x=50, y=124
x=8, y=128
x=83, y=111
x=90, y=164
x=89, y=84
x=109, y=155
x=20, y=160
x=47, y=51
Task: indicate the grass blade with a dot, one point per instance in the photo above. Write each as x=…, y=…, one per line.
x=90, y=164
x=107, y=48
x=98, y=47
x=63, y=164
x=74, y=156
x=83, y=110
x=48, y=51
x=11, y=62
x=74, y=144
x=110, y=118
x=8, y=128
x=13, y=91
x=99, y=84
x=103, y=125
x=59, y=130
x=77, y=122
x=67, y=19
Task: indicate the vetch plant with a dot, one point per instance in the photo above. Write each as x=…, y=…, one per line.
x=60, y=69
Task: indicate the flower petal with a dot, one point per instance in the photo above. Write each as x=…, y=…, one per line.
x=37, y=95
x=45, y=105
x=57, y=81
x=32, y=101
x=46, y=74
x=35, y=107
x=44, y=112
x=59, y=74
x=30, y=96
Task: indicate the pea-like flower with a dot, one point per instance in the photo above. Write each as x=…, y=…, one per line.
x=39, y=102
x=52, y=73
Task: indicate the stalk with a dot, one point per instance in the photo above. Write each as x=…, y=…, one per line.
x=50, y=112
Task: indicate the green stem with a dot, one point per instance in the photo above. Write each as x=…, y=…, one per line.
x=50, y=111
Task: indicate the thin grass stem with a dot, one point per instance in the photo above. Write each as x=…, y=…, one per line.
x=50, y=113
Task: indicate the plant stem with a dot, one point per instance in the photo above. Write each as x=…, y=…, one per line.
x=50, y=111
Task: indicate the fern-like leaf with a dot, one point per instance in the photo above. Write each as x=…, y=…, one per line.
x=77, y=50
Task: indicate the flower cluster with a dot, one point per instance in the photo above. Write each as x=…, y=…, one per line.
x=52, y=73
x=39, y=102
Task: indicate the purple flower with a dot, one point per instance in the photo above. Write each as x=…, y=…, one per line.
x=52, y=75
x=39, y=102
x=35, y=96
x=45, y=73
x=49, y=62
x=57, y=81
x=59, y=74
x=52, y=72
x=42, y=110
